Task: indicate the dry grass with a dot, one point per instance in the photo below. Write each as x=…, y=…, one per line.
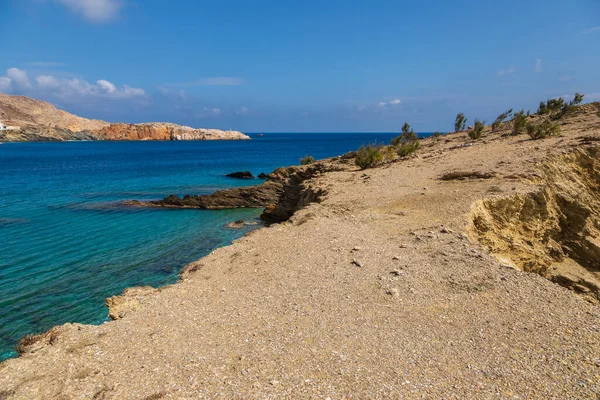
x=462, y=175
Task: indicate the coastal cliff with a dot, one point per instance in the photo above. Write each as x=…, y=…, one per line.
x=164, y=131
x=35, y=120
x=467, y=270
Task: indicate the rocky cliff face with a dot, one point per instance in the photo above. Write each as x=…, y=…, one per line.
x=553, y=230
x=38, y=120
x=164, y=131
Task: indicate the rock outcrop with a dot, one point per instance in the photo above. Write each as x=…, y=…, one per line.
x=240, y=175
x=39, y=133
x=36, y=120
x=285, y=191
x=552, y=231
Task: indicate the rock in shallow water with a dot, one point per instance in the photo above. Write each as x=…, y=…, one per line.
x=241, y=175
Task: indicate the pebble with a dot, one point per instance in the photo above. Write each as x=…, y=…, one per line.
x=357, y=263
x=393, y=292
x=356, y=248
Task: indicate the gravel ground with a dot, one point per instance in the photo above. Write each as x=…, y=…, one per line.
x=375, y=292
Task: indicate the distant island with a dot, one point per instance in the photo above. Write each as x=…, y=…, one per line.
x=23, y=119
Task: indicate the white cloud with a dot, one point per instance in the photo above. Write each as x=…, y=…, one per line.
x=242, y=111
x=509, y=70
x=45, y=64
x=538, y=65
x=208, y=112
x=45, y=82
x=94, y=10
x=70, y=90
x=564, y=78
x=19, y=78
x=589, y=31
x=393, y=102
x=216, y=81
x=361, y=108
x=107, y=86
x=5, y=84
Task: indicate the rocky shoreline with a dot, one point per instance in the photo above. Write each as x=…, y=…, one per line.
x=426, y=277
x=285, y=191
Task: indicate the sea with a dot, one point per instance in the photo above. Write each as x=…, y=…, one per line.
x=67, y=242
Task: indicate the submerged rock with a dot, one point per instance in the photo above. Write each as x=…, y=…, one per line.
x=236, y=224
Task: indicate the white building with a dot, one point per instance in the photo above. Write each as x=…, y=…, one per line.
x=3, y=127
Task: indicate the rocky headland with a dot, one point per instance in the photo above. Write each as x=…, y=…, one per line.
x=466, y=270
x=36, y=120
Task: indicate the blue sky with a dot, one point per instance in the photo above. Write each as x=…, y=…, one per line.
x=299, y=66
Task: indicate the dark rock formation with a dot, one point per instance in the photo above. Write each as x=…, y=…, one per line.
x=285, y=191
x=262, y=175
x=241, y=175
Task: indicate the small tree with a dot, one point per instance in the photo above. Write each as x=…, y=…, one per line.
x=460, y=122
x=557, y=108
x=407, y=135
x=519, y=123
x=307, y=160
x=477, y=130
x=577, y=99
x=436, y=135
x=408, y=141
x=500, y=119
x=369, y=156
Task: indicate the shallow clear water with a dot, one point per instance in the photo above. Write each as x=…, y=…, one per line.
x=66, y=243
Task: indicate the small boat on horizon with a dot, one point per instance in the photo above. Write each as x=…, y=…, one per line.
x=260, y=135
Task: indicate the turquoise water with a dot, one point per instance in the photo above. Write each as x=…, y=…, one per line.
x=66, y=242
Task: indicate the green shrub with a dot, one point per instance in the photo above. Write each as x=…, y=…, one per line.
x=519, y=123
x=436, y=135
x=543, y=130
x=460, y=122
x=477, y=130
x=500, y=119
x=557, y=108
x=369, y=156
x=598, y=114
x=307, y=160
x=408, y=148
